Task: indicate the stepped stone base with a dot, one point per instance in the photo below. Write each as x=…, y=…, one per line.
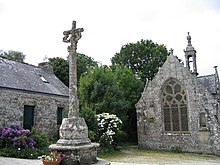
x=77, y=155
x=75, y=145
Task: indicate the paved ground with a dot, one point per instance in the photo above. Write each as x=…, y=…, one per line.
x=13, y=161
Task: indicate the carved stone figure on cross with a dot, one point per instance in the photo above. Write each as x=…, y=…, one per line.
x=72, y=36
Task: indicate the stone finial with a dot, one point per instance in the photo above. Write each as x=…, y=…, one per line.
x=189, y=39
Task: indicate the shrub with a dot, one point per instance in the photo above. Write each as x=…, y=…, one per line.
x=108, y=126
x=26, y=153
x=18, y=142
x=41, y=138
x=16, y=136
x=91, y=120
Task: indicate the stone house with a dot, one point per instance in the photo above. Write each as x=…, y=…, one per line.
x=178, y=109
x=31, y=96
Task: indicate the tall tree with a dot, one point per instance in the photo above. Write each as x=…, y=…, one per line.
x=111, y=89
x=84, y=63
x=61, y=66
x=13, y=55
x=143, y=58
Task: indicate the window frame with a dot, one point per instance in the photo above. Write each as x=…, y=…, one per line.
x=28, y=108
x=181, y=108
x=59, y=111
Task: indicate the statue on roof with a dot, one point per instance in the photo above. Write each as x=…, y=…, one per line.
x=189, y=39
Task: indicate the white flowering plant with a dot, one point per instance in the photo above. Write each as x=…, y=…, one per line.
x=108, y=125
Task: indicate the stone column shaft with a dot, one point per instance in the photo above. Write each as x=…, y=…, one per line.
x=72, y=36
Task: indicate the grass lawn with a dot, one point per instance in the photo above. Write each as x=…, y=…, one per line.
x=131, y=154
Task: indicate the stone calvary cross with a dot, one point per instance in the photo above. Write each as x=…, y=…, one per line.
x=72, y=36
x=73, y=141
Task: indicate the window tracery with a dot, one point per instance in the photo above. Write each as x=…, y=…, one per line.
x=174, y=106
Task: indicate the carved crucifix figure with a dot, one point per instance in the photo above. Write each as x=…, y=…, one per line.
x=72, y=36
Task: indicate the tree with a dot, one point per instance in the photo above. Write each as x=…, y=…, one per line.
x=143, y=58
x=61, y=66
x=13, y=55
x=84, y=63
x=113, y=90
x=61, y=69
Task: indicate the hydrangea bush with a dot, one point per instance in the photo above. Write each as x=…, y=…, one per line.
x=16, y=136
x=108, y=125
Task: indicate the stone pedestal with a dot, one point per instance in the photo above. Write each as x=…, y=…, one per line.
x=75, y=155
x=74, y=132
x=75, y=145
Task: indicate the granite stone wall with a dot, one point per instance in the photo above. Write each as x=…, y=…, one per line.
x=12, y=104
x=150, y=121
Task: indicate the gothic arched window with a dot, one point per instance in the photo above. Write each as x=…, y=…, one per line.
x=174, y=106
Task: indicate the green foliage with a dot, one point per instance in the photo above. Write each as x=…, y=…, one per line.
x=61, y=69
x=99, y=91
x=143, y=58
x=92, y=136
x=13, y=55
x=15, y=142
x=105, y=145
x=90, y=117
x=84, y=63
x=114, y=90
x=41, y=138
x=22, y=153
x=61, y=66
x=120, y=137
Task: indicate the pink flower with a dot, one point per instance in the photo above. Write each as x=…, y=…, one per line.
x=59, y=156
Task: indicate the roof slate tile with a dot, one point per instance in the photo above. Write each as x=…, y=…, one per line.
x=22, y=76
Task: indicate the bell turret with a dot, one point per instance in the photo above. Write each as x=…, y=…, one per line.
x=190, y=56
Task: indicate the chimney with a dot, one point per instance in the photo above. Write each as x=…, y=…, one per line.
x=46, y=66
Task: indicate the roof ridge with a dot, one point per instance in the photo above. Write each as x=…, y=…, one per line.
x=19, y=61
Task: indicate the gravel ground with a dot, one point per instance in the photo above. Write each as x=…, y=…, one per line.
x=131, y=155
x=14, y=161
x=133, y=161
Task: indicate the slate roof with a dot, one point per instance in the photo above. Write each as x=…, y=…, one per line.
x=22, y=76
x=210, y=82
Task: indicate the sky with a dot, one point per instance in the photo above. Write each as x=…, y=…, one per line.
x=35, y=27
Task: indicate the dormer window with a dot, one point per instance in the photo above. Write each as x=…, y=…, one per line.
x=43, y=79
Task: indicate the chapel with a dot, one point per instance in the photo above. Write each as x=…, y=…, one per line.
x=178, y=109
